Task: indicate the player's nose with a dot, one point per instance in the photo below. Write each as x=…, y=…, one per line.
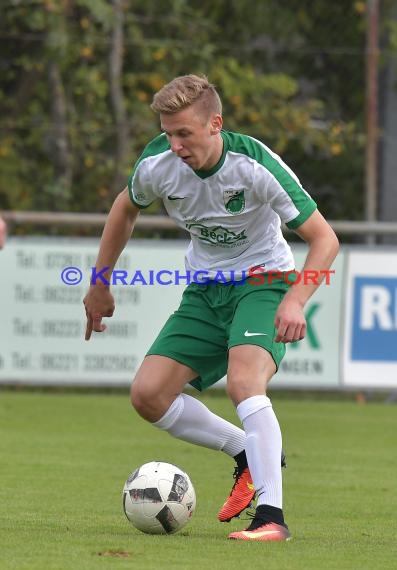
x=176, y=145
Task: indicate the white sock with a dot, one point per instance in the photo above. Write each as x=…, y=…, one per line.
x=190, y=420
x=263, y=448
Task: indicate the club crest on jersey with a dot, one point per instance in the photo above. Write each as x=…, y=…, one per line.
x=234, y=201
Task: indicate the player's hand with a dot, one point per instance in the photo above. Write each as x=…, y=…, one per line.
x=99, y=303
x=290, y=321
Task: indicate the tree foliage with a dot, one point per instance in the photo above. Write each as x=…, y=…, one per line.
x=77, y=78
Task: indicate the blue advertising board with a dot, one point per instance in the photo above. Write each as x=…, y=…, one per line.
x=370, y=330
x=374, y=330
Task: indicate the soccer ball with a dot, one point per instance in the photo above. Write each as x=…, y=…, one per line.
x=159, y=498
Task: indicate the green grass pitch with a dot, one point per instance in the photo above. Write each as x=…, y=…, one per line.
x=64, y=458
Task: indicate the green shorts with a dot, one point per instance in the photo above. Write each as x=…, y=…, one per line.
x=214, y=317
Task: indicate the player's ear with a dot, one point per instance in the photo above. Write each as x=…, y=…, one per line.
x=216, y=124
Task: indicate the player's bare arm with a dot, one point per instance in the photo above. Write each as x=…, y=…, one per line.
x=323, y=248
x=119, y=225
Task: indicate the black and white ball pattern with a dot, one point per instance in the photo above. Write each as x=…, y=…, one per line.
x=159, y=498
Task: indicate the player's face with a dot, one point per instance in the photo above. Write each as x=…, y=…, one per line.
x=193, y=137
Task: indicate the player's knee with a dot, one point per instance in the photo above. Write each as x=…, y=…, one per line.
x=140, y=399
x=146, y=402
x=238, y=388
x=239, y=377
x=249, y=371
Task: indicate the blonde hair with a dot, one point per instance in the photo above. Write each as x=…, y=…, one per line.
x=185, y=91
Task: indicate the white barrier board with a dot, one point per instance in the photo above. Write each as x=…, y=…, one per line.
x=43, y=319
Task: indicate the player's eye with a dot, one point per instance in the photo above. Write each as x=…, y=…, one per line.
x=179, y=134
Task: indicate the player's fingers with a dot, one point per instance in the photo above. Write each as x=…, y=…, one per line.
x=288, y=335
x=296, y=335
x=97, y=323
x=281, y=332
x=290, y=332
x=302, y=332
x=88, y=328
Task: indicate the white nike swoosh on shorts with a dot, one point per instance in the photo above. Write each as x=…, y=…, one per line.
x=254, y=334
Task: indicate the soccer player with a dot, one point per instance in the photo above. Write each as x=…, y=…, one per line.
x=230, y=192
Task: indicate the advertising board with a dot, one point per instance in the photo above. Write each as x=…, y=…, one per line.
x=370, y=324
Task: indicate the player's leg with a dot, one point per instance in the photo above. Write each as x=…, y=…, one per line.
x=247, y=485
x=190, y=346
x=156, y=394
x=251, y=366
x=157, y=384
x=250, y=369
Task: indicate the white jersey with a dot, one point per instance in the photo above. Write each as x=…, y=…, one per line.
x=233, y=212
